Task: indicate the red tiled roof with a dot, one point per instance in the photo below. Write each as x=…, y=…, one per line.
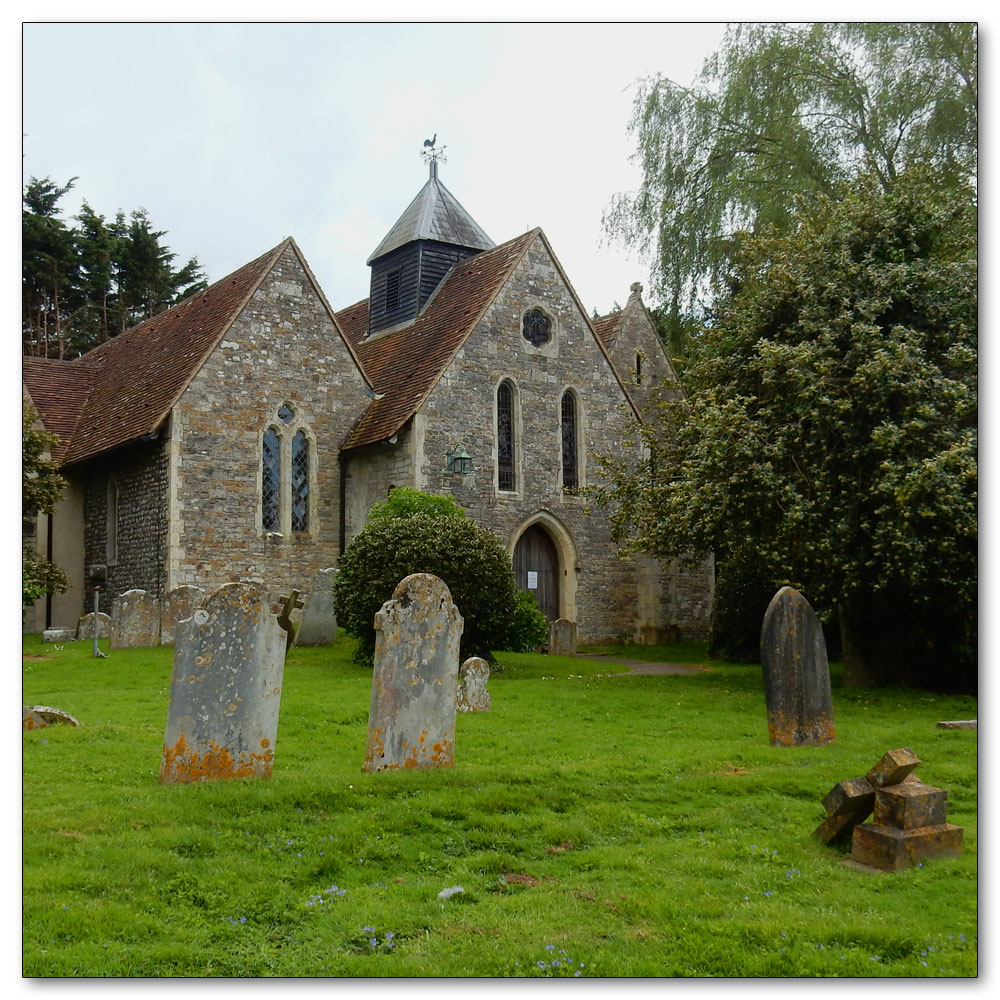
x=141, y=373
x=58, y=390
x=405, y=364
x=607, y=327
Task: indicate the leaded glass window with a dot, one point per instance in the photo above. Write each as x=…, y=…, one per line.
x=300, y=482
x=505, y=437
x=537, y=327
x=285, y=413
x=270, y=481
x=570, y=479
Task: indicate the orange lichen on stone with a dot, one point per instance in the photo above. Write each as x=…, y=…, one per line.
x=181, y=764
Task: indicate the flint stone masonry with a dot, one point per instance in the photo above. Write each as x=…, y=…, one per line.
x=59, y=635
x=179, y=604
x=796, y=673
x=562, y=637
x=225, y=690
x=319, y=625
x=40, y=716
x=85, y=627
x=472, y=695
x=135, y=620
x=411, y=720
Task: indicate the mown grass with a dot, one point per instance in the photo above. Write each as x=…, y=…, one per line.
x=615, y=825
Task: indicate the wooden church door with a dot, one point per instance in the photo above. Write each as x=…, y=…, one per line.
x=536, y=569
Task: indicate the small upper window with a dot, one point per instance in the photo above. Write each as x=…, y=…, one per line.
x=537, y=328
x=638, y=369
x=285, y=413
x=392, y=291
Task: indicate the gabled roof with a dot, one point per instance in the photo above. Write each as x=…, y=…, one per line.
x=607, y=327
x=435, y=214
x=405, y=364
x=133, y=380
x=59, y=391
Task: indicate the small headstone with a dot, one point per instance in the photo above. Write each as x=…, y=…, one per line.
x=135, y=620
x=179, y=604
x=225, y=690
x=40, y=716
x=318, y=626
x=562, y=638
x=796, y=673
x=85, y=627
x=411, y=722
x=472, y=695
x=59, y=635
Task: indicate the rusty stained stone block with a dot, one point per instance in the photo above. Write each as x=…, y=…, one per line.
x=411, y=721
x=796, y=673
x=909, y=805
x=850, y=797
x=837, y=826
x=892, y=850
x=225, y=690
x=893, y=767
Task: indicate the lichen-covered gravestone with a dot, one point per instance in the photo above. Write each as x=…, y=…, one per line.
x=472, y=695
x=319, y=625
x=411, y=722
x=225, y=691
x=135, y=620
x=796, y=673
x=179, y=604
x=562, y=637
x=85, y=626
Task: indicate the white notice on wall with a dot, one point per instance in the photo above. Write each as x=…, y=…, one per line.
x=532, y=580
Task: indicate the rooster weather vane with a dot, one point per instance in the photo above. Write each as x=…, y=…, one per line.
x=430, y=153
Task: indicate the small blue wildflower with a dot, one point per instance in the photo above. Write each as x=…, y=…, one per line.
x=549, y=947
x=371, y=930
x=540, y=964
x=373, y=942
x=768, y=893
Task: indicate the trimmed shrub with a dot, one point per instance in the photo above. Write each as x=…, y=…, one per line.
x=404, y=502
x=529, y=628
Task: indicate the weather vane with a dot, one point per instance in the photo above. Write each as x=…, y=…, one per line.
x=430, y=154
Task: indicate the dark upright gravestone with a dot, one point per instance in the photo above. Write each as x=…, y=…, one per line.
x=411, y=722
x=319, y=625
x=225, y=691
x=796, y=673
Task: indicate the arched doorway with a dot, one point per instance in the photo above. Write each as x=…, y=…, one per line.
x=536, y=569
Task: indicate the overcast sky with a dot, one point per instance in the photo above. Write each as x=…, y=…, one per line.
x=234, y=136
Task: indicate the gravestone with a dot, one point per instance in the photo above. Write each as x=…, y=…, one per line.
x=796, y=673
x=225, y=690
x=318, y=626
x=40, y=716
x=179, y=604
x=411, y=721
x=562, y=638
x=135, y=620
x=85, y=627
x=472, y=695
x=59, y=635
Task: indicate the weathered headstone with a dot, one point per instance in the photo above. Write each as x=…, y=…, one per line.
x=40, y=716
x=411, y=722
x=135, y=620
x=472, y=695
x=318, y=626
x=562, y=638
x=225, y=690
x=85, y=626
x=59, y=635
x=179, y=604
x=796, y=673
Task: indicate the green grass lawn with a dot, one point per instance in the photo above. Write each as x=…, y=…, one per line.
x=599, y=825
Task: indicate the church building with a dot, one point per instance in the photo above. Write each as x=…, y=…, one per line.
x=245, y=433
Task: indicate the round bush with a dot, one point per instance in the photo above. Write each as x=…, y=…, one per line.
x=469, y=559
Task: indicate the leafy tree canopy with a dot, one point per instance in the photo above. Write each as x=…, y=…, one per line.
x=84, y=283
x=783, y=112
x=828, y=435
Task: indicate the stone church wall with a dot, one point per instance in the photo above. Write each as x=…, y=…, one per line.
x=282, y=349
x=371, y=473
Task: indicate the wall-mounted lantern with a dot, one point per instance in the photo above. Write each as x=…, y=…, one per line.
x=459, y=463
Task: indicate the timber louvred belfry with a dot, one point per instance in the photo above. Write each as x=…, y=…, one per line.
x=246, y=432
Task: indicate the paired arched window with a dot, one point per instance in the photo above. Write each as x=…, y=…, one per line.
x=568, y=428
x=285, y=492
x=505, y=438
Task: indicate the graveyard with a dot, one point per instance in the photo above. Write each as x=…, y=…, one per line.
x=588, y=820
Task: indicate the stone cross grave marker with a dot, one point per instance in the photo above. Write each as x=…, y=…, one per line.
x=796, y=673
x=411, y=721
x=85, y=626
x=225, y=691
x=179, y=604
x=288, y=605
x=318, y=626
x=135, y=620
x=472, y=695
